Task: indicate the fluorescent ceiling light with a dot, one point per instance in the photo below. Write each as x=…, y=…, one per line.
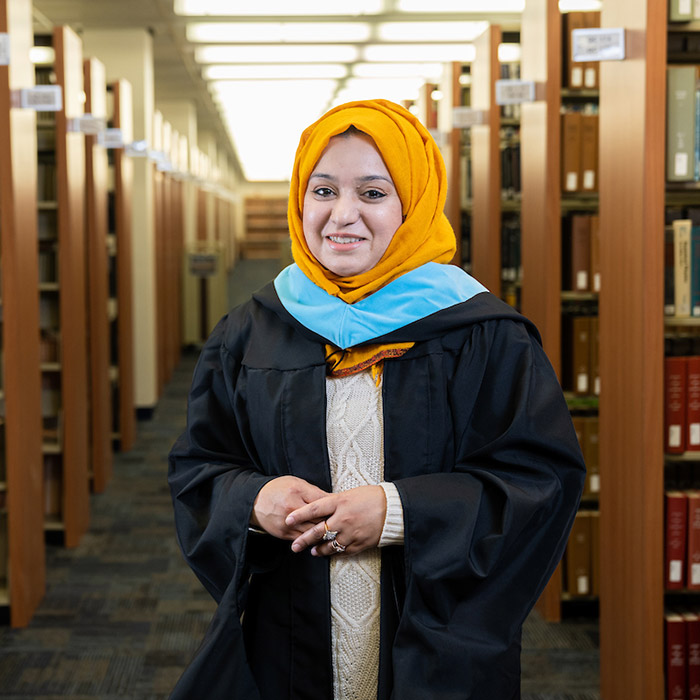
x=277, y=32
x=237, y=71
x=226, y=8
x=443, y=53
x=462, y=6
x=580, y=5
x=396, y=90
x=509, y=53
x=263, y=125
x=429, y=71
x=276, y=54
x=431, y=31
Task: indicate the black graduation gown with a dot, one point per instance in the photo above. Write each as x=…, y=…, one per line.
x=479, y=443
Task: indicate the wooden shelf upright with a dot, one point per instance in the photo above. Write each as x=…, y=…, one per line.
x=486, y=164
x=66, y=420
x=97, y=281
x=632, y=183
x=22, y=554
x=122, y=332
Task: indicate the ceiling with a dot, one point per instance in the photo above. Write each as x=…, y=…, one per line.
x=177, y=75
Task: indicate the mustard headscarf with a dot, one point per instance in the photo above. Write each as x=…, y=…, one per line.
x=418, y=171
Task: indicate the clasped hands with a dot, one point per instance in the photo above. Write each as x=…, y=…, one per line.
x=291, y=508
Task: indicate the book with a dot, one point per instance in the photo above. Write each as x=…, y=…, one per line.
x=589, y=151
x=676, y=503
x=591, y=453
x=693, y=540
x=594, y=360
x=692, y=403
x=682, y=229
x=680, y=10
x=574, y=71
x=695, y=270
x=581, y=354
x=595, y=253
x=578, y=556
x=692, y=637
x=595, y=552
x=669, y=272
x=680, y=134
x=580, y=253
x=676, y=656
x=591, y=20
x=675, y=404
x=571, y=151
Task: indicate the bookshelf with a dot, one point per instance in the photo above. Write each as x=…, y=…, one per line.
x=22, y=552
x=63, y=317
x=96, y=229
x=120, y=272
x=632, y=183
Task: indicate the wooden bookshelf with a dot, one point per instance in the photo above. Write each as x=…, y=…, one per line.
x=96, y=199
x=22, y=553
x=632, y=179
x=64, y=319
x=486, y=164
x=121, y=331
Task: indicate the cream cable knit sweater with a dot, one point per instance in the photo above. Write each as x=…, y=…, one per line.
x=355, y=436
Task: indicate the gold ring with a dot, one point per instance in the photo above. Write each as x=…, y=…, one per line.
x=337, y=546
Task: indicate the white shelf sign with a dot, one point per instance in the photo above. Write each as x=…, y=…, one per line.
x=514, y=92
x=598, y=44
x=466, y=117
x=4, y=49
x=42, y=98
x=88, y=124
x=111, y=138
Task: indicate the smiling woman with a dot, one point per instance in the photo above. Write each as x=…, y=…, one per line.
x=379, y=471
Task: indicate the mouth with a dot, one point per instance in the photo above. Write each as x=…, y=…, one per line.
x=344, y=239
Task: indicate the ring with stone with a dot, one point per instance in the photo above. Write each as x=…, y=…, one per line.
x=337, y=546
x=329, y=535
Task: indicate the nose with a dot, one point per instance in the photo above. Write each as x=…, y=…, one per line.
x=345, y=210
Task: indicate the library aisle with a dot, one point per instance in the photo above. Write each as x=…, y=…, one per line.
x=123, y=614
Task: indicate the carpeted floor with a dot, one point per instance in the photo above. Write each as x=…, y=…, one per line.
x=123, y=614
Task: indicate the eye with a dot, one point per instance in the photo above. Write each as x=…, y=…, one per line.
x=374, y=194
x=323, y=191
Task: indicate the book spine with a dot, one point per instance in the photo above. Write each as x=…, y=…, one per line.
x=676, y=539
x=589, y=152
x=680, y=10
x=580, y=252
x=582, y=354
x=693, y=547
x=595, y=253
x=578, y=556
x=675, y=404
x=682, y=229
x=571, y=151
x=693, y=403
x=692, y=631
x=680, y=136
x=669, y=273
x=676, y=656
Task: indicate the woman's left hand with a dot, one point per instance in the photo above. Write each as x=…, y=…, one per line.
x=357, y=515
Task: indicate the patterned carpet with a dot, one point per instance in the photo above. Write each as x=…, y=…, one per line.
x=123, y=614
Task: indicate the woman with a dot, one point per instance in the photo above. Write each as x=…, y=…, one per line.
x=379, y=471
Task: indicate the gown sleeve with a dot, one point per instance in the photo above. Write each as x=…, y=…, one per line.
x=483, y=537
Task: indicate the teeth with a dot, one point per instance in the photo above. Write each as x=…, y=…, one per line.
x=343, y=239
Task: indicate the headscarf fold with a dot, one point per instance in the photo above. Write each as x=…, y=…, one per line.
x=418, y=171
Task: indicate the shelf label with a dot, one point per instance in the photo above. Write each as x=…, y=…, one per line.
x=514, y=92
x=203, y=264
x=111, y=138
x=137, y=149
x=598, y=44
x=4, y=49
x=42, y=98
x=87, y=124
x=466, y=117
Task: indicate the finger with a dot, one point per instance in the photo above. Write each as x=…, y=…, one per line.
x=312, y=512
x=312, y=536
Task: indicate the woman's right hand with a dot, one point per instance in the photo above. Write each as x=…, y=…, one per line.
x=277, y=499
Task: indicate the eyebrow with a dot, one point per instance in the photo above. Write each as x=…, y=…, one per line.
x=364, y=178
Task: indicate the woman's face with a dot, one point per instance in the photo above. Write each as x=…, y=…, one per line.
x=351, y=207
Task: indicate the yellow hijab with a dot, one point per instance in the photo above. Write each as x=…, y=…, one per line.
x=418, y=171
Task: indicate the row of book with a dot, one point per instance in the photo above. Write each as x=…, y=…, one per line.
x=682, y=268
x=682, y=540
x=683, y=123
x=577, y=75
x=581, y=253
x=681, y=403
x=47, y=264
x=579, y=150
x=46, y=182
x=582, y=556
x=510, y=162
x=511, y=261
x=587, y=432
x=682, y=654
x=580, y=359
